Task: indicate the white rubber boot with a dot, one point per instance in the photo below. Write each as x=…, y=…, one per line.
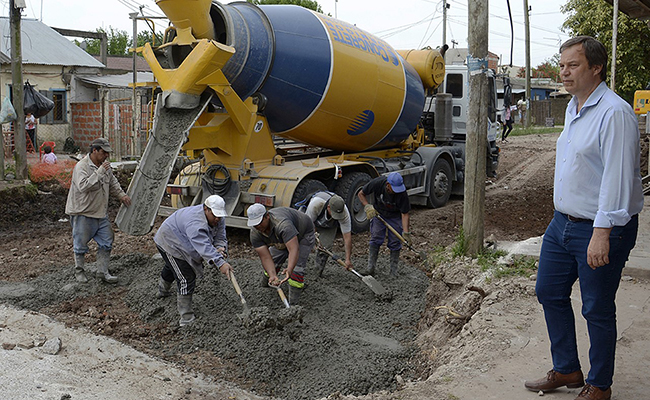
x=184, y=303
x=79, y=273
x=103, y=258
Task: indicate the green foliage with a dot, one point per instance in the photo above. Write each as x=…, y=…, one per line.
x=520, y=266
x=310, y=4
x=459, y=249
x=519, y=130
x=594, y=18
x=147, y=37
x=118, y=42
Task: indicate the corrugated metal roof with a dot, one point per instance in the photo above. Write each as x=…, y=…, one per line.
x=42, y=45
x=117, y=80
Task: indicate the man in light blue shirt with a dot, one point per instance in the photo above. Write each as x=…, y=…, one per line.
x=597, y=197
x=188, y=237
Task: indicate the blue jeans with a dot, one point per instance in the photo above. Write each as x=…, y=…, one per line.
x=378, y=232
x=563, y=259
x=86, y=228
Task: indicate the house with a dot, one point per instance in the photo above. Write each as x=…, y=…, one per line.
x=51, y=63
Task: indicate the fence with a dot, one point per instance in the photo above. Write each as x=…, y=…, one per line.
x=548, y=112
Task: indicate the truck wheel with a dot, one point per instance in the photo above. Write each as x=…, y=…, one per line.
x=348, y=188
x=305, y=189
x=440, y=184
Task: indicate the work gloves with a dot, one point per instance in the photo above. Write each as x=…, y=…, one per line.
x=407, y=236
x=370, y=211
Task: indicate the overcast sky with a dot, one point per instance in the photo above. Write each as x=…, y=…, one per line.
x=405, y=24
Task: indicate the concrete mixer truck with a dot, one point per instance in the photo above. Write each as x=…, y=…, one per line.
x=273, y=103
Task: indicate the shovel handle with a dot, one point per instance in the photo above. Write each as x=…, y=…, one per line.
x=394, y=232
x=334, y=256
x=235, y=284
x=283, y=297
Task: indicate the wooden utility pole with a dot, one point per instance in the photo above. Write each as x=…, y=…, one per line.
x=527, y=28
x=612, y=81
x=15, y=7
x=477, y=124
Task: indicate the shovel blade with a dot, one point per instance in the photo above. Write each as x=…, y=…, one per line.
x=374, y=284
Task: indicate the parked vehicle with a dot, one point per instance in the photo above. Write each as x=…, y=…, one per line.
x=273, y=103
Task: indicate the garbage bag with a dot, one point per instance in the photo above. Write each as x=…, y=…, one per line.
x=8, y=112
x=35, y=103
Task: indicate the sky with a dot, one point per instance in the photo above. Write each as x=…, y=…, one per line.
x=404, y=24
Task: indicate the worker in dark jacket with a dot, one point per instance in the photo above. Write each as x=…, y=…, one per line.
x=391, y=202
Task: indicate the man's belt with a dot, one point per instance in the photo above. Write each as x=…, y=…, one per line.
x=576, y=219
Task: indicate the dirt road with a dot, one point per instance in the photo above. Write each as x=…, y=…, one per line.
x=350, y=343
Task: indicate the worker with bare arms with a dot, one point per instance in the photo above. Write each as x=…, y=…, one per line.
x=278, y=235
x=328, y=212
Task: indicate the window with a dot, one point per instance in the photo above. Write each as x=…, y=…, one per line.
x=455, y=85
x=58, y=113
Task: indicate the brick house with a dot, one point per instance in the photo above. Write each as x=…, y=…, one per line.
x=51, y=63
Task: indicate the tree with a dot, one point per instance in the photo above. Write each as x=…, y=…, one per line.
x=118, y=42
x=312, y=5
x=550, y=68
x=146, y=37
x=594, y=18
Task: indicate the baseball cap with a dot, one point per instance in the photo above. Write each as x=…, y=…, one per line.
x=103, y=143
x=337, y=207
x=217, y=205
x=256, y=214
x=396, y=182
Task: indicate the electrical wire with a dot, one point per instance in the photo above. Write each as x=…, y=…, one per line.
x=512, y=32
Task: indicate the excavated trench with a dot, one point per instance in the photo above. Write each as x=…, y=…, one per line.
x=348, y=341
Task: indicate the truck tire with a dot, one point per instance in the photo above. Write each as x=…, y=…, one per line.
x=305, y=189
x=348, y=187
x=440, y=184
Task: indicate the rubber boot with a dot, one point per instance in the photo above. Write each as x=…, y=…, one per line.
x=103, y=258
x=394, y=260
x=294, y=295
x=372, y=259
x=79, y=273
x=164, y=288
x=321, y=260
x=184, y=303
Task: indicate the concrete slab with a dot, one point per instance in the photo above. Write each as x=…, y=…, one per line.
x=637, y=266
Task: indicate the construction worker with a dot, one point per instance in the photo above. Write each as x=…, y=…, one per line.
x=185, y=239
x=281, y=234
x=392, y=203
x=328, y=211
x=87, y=205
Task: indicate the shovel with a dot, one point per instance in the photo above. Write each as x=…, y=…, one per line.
x=233, y=280
x=370, y=281
x=421, y=254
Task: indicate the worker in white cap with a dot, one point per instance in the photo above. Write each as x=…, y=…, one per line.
x=278, y=235
x=185, y=239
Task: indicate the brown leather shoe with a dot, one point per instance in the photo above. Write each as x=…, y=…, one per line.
x=593, y=393
x=554, y=380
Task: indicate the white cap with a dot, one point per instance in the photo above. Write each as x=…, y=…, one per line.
x=256, y=213
x=217, y=205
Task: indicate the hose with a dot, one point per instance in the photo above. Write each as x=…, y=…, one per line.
x=216, y=185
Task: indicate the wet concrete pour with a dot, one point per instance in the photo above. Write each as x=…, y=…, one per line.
x=349, y=341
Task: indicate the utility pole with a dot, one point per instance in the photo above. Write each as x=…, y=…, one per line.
x=15, y=8
x=477, y=124
x=444, y=22
x=527, y=26
x=135, y=114
x=612, y=81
